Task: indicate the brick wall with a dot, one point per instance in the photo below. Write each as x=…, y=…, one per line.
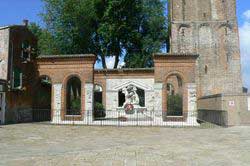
x=19, y=102
x=209, y=28
x=61, y=68
x=181, y=65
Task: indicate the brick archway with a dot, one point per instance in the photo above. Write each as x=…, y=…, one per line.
x=61, y=68
x=182, y=65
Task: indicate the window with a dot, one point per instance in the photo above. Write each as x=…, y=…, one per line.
x=17, y=78
x=26, y=51
x=73, y=96
x=206, y=69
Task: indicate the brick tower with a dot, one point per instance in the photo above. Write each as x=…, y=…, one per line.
x=209, y=28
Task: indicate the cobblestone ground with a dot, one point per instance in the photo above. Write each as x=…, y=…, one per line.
x=41, y=144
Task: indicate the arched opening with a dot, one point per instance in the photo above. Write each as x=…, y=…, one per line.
x=73, y=96
x=121, y=98
x=42, y=100
x=98, y=94
x=174, y=96
x=99, y=110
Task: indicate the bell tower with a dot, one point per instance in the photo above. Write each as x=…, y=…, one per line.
x=208, y=28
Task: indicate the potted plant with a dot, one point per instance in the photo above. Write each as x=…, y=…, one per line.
x=99, y=111
x=76, y=106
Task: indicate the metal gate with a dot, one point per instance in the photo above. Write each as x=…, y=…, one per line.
x=2, y=107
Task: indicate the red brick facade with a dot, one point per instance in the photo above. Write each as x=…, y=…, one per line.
x=61, y=68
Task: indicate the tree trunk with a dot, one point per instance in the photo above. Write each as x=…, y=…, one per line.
x=104, y=65
x=117, y=54
x=116, y=61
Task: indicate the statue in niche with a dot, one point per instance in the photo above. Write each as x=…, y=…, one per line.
x=132, y=99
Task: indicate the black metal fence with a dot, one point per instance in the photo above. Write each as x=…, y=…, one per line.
x=40, y=115
x=139, y=117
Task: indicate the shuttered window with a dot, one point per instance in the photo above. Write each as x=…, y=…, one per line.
x=17, y=78
x=26, y=51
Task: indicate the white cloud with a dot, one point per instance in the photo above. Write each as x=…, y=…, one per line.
x=245, y=48
x=246, y=14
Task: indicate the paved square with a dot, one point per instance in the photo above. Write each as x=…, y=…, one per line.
x=41, y=144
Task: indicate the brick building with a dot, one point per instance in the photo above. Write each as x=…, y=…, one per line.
x=199, y=78
x=209, y=28
x=17, y=73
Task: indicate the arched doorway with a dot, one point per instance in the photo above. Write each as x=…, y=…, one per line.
x=73, y=96
x=99, y=110
x=174, y=96
x=98, y=94
x=42, y=100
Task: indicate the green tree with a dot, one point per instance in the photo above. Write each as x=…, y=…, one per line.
x=116, y=25
x=149, y=36
x=131, y=28
x=72, y=24
x=46, y=43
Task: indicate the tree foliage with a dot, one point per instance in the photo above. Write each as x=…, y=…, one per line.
x=46, y=43
x=130, y=28
x=149, y=36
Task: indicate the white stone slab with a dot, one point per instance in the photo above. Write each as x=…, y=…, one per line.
x=192, y=103
x=158, y=99
x=117, y=84
x=114, y=85
x=89, y=98
x=248, y=102
x=192, y=100
x=57, y=102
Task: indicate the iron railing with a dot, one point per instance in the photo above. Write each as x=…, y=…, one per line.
x=121, y=118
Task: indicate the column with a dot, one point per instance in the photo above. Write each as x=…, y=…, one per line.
x=192, y=100
x=89, y=102
x=158, y=99
x=57, y=103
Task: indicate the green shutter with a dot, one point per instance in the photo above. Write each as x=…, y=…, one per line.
x=17, y=78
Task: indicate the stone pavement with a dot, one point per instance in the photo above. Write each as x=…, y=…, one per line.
x=42, y=144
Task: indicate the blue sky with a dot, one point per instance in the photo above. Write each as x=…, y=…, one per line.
x=14, y=11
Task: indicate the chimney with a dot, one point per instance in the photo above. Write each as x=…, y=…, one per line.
x=26, y=22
